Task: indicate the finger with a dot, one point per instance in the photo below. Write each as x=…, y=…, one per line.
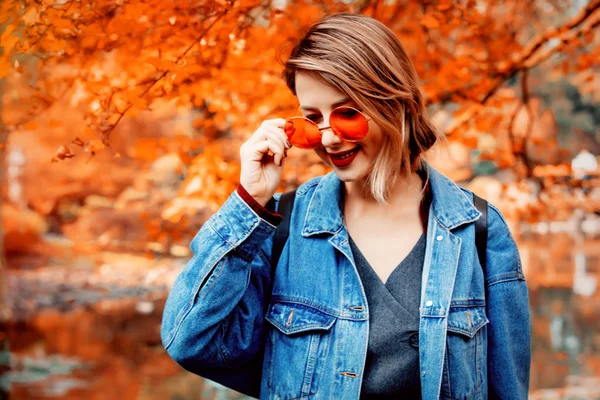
x=283, y=142
x=262, y=149
x=277, y=122
x=278, y=136
x=273, y=124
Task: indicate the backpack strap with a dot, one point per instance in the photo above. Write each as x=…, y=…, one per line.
x=286, y=205
x=481, y=230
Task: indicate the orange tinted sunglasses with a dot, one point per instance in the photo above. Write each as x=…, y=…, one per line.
x=347, y=123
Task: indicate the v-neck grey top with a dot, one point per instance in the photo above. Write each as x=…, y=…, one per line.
x=392, y=366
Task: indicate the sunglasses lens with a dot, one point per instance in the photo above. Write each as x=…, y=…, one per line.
x=302, y=133
x=349, y=123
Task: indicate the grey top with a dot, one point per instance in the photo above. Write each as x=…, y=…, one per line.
x=392, y=366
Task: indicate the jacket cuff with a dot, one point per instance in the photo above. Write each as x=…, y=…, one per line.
x=274, y=218
x=239, y=227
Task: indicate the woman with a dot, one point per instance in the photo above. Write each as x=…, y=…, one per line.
x=379, y=292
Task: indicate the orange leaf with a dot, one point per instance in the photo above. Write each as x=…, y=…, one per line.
x=429, y=21
x=31, y=17
x=31, y=125
x=5, y=67
x=62, y=153
x=88, y=42
x=8, y=40
x=160, y=64
x=483, y=124
x=93, y=146
x=471, y=141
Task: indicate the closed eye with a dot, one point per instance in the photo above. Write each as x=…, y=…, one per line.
x=347, y=112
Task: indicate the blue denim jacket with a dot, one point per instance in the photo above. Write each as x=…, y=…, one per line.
x=308, y=337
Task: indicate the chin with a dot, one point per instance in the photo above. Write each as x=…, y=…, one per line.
x=356, y=171
x=353, y=174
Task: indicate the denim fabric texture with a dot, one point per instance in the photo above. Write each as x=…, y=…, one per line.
x=304, y=335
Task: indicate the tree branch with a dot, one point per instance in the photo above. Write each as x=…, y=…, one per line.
x=527, y=58
x=106, y=134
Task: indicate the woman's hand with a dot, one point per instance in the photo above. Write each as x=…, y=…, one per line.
x=262, y=157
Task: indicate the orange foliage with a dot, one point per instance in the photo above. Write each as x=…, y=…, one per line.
x=211, y=180
x=115, y=59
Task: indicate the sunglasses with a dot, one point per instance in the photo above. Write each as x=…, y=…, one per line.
x=347, y=123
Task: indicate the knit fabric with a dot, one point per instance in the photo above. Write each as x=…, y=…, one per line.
x=392, y=366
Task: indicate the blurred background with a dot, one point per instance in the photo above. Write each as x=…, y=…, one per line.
x=121, y=122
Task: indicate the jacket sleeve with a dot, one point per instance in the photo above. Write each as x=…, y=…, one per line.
x=509, y=343
x=214, y=315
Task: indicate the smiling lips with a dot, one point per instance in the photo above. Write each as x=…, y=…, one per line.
x=344, y=158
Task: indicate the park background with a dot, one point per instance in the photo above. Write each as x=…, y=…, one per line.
x=121, y=122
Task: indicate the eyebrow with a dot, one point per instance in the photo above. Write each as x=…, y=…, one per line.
x=334, y=105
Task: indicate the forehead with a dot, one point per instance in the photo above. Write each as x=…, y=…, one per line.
x=313, y=92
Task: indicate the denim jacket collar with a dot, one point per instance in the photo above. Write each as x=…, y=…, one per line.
x=450, y=205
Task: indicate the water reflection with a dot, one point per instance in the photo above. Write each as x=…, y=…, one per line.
x=112, y=349
x=562, y=274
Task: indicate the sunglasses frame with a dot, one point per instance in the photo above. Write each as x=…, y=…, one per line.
x=367, y=119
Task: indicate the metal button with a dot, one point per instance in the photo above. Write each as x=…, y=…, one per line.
x=440, y=238
x=429, y=303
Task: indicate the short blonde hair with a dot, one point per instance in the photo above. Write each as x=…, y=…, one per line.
x=363, y=58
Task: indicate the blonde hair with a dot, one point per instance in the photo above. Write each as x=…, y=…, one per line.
x=363, y=58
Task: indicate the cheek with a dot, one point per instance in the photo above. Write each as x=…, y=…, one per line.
x=321, y=153
x=376, y=137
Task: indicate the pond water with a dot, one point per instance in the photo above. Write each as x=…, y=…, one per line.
x=111, y=349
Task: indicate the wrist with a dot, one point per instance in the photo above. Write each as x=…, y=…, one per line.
x=259, y=206
x=249, y=193
x=257, y=199
x=262, y=202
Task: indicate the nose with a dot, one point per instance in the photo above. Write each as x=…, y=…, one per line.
x=329, y=139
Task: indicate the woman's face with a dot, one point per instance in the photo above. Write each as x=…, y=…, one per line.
x=317, y=100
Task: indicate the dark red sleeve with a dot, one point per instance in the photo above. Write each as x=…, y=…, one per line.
x=274, y=218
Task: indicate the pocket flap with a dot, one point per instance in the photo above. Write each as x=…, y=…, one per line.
x=466, y=320
x=292, y=318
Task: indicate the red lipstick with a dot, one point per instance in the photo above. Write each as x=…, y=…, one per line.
x=344, y=159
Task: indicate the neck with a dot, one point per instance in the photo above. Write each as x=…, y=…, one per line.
x=405, y=196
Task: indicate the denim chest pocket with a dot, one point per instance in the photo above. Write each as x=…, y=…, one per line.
x=464, y=362
x=296, y=349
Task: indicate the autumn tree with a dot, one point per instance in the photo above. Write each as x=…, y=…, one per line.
x=116, y=58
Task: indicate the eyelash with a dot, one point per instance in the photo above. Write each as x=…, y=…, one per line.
x=315, y=118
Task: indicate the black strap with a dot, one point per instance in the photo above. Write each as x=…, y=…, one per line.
x=286, y=205
x=481, y=230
